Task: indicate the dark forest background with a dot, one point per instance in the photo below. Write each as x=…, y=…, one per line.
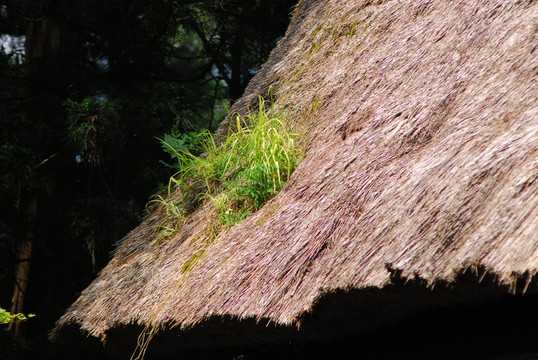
x=86, y=87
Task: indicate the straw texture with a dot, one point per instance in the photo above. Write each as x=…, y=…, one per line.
x=421, y=159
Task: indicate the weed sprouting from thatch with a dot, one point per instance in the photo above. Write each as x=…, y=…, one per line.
x=244, y=171
x=172, y=220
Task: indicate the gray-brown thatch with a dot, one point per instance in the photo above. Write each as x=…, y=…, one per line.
x=421, y=161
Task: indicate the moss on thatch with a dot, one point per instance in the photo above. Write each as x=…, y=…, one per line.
x=422, y=160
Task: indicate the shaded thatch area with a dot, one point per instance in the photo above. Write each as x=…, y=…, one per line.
x=421, y=166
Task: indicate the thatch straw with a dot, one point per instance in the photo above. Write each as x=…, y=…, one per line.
x=422, y=160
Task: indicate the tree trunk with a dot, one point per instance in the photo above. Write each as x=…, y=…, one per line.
x=41, y=48
x=23, y=262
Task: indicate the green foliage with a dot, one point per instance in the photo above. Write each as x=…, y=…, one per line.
x=242, y=171
x=6, y=317
x=178, y=142
x=172, y=221
x=177, y=145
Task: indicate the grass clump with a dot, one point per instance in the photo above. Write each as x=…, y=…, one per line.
x=243, y=170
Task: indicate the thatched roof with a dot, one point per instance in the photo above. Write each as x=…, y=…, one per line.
x=421, y=164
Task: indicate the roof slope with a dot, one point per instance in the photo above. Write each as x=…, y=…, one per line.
x=422, y=159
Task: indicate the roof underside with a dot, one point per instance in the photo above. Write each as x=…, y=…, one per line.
x=421, y=163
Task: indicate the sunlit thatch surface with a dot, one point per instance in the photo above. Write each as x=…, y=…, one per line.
x=422, y=161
